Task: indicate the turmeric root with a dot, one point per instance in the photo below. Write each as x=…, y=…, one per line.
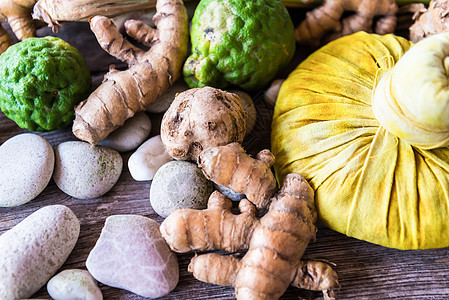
x=430, y=21
x=200, y=118
x=51, y=11
x=275, y=243
x=150, y=73
x=324, y=23
x=18, y=14
x=313, y=275
x=217, y=234
x=316, y=275
x=24, y=16
x=231, y=167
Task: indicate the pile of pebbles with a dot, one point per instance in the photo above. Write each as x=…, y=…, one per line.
x=36, y=248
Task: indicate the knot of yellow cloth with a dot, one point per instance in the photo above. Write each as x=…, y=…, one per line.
x=411, y=100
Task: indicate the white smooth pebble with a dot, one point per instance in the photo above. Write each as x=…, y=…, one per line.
x=74, y=284
x=84, y=171
x=131, y=135
x=26, y=168
x=271, y=94
x=131, y=254
x=147, y=159
x=34, y=250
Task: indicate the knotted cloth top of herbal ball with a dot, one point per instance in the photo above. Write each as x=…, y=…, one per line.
x=411, y=100
x=365, y=121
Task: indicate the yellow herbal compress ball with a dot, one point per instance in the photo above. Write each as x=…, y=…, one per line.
x=365, y=120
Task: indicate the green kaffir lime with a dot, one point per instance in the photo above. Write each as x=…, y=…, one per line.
x=41, y=80
x=239, y=43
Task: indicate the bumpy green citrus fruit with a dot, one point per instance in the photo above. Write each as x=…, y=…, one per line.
x=41, y=80
x=239, y=43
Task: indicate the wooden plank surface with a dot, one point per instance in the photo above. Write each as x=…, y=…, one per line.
x=366, y=271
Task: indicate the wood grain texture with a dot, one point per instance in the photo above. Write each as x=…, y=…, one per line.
x=366, y=271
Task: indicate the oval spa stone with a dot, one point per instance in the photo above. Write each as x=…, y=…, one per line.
x=131, y=135
x=26, y=168
x=179, y=184
x=131, y=254
x=271, y=94
x=84, y=171
x=34, y=250
x=74, y=284
x=147, y=159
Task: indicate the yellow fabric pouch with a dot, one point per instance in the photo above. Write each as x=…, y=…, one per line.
x=365, y=119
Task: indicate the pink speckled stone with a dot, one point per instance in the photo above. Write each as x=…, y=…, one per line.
x=132, y=254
